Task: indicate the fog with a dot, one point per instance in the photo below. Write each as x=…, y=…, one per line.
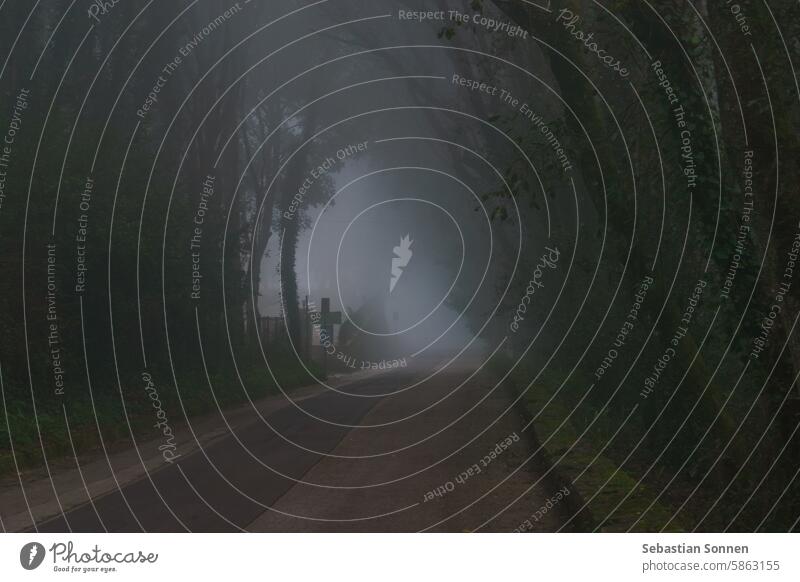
x=403, y=154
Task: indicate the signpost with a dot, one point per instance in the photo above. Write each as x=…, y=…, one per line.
x=327, y=320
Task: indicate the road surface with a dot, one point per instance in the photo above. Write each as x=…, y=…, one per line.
x=446, y=455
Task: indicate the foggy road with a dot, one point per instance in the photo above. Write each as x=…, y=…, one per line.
x=399, y=468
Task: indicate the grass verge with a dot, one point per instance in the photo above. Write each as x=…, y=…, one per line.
x=611, y=499
x=103, y=409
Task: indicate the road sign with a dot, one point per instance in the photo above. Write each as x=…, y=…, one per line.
x=329, y=318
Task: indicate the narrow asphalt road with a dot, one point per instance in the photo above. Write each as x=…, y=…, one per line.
x=446, y=455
